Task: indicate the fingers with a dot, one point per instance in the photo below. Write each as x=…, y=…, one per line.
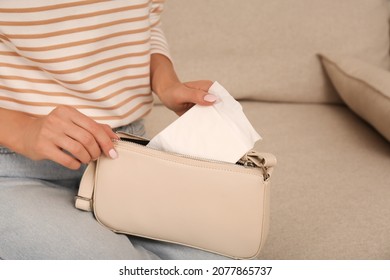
x=67, y=137
x=66, y=160
x=89, y=137
x=203, y=85
x=100, y=134
x=111, y=152
x=198, y=93
x=58, y=155
x=109, y=131
x=80, y=143
x=82, y=146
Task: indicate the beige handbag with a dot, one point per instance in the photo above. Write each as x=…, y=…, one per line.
x=214, y=206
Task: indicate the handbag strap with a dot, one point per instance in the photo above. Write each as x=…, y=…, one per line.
x=83, y=199
x=84, y=196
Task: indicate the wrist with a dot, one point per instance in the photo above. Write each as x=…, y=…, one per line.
x=163, y=75
x=13, y=125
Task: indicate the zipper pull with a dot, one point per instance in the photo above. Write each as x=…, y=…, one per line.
x=265, y=161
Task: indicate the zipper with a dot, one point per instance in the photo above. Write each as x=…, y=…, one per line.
x=247, y=161
x=173, y=153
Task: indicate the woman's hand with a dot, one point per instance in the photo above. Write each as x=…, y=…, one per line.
x=177, y=96
x=67, y=137
x=180, y=97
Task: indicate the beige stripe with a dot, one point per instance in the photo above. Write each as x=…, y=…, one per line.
x=33, y=91
x=106, y=72
x=60, y=72
x=108, y=48
x=17, y=66
x=110, y=83
x=53, y=104
x=119, y=117
x=9, y=53
x=157, y=10
x=83, y=55
x=86, y=66
x=156, y=23
x=119, y=105
x=78, y=43
x=158, y=44
x=123, y=116
x=73, y=57
x=73, y=17
x=50, y=7
x=132, y=112
x=53, y=93
x=87, y=79
x=19, y=78
x=75, y=30
x=106, y=60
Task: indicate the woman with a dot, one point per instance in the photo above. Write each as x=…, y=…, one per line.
x=71, y=72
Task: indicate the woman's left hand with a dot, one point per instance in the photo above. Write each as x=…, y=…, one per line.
x=180, y=97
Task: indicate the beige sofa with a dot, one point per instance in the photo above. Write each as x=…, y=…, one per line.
x=326, y=119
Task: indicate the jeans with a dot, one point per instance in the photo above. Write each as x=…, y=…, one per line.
x=38, y=219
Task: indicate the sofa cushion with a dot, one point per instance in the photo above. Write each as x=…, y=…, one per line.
x=364, y=88
x=266, y=50
x=330, y=191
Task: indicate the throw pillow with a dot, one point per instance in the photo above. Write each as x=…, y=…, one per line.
x=364, y=88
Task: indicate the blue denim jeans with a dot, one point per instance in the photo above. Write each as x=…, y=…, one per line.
x=38, y=219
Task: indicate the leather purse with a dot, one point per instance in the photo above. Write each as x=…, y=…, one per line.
x=214, y=206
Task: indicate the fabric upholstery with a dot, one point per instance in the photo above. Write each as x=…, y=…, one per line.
x=266, y=50
x=330, y=191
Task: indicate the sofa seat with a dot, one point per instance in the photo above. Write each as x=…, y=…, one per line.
x=324, y=204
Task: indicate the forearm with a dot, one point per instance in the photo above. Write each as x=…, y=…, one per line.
x=162, y=73
x=12, y=125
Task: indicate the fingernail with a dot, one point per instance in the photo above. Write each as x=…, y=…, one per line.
x=113, y=154
x=210, y=98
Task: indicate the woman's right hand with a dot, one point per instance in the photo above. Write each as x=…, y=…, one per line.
x=67, y=137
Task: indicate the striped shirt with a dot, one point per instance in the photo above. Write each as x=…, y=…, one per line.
x=93, y=55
